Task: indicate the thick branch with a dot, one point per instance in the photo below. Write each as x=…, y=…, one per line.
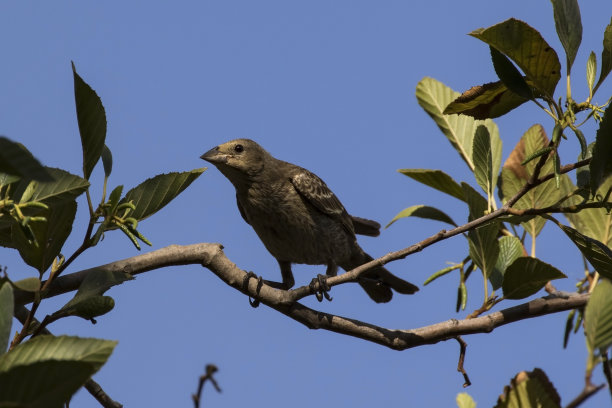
x=212, y=257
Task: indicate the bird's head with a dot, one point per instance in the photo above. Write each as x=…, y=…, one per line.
x=239, y=160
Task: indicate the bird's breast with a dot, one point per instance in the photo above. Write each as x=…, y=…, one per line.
x=292, y=229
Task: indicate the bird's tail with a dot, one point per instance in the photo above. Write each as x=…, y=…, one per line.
x=378, y=282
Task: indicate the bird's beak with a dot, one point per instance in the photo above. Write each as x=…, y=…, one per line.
x=214, y=156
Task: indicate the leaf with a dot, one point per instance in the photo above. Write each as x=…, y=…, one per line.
x=28, y=284
x=593, y=222
x=6, y=179
x=598, y=316
x=509, y=75
x=153, y=194
x=89, y=308
x=50, y=236
x=66, y=187
x=484, y=248
x=529, y=390
x=96, y=283
x=46, y=370
x=107, y=161
x=423, y=211
x=601, y=165
x=92, y=122
x=591, y=71
x=489, y=100
x=435, y=179
x=526, y=47
x=464, y=400
x=510, y=249
x=606, y=55
x=526, y=276
x=598, y=254
x=6, y=314
x=514, y=176
x=569, y=27
x=433, y=96
x=483, y=160
x=16, y=160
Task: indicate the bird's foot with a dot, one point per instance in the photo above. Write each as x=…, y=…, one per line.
x=323, y=290
x=254, y=302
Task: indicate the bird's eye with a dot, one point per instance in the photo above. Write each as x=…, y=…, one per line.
x=238, y=148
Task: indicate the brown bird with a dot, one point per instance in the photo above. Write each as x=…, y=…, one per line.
x=298, y=218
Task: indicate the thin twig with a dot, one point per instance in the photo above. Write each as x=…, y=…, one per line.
x=44, y=286
x=210, y=370
x=588, y=391
x=462, y=349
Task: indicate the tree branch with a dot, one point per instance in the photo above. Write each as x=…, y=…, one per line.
x=212, y=257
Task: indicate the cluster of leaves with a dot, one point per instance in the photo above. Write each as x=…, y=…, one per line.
x=37, y=209
x=532, y=184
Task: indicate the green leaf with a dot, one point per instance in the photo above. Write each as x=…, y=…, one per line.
x=433, y=96
x=28, y=284
x=606, y=55
x=483, y=161
x=569, y=27
x=489, y=100
x=529, y=390
x=153, y=194
x=46, y=370
x=435, y=179
x=591, y=71
x=6, y=314
x=510, y=249
x=526, y=47
x=66, y=187
x=92, y=122
x=464, y=400
x=484, y=248
x=6, y=179
x=526, y=276
x=598, y=254
x=514, y=176
x=107, y=161
x=509, y=75
x=423, y=211
x=601, y=165
x=16, y=160
x=95, y=284
x=593, y=222
x=598, y=316
x=50, y=236
x=90, y=307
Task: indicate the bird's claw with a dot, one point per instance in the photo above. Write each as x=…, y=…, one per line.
x=323, y=290
x=254, y=302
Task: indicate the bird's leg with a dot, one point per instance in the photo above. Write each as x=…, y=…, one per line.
x=287, y=276
x=332, y=270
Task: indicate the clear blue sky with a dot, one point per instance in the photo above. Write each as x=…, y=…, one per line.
x=328, y=85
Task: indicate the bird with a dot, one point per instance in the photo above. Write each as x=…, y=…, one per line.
x=299, y=219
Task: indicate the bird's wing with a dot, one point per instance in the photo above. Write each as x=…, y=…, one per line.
x=241, y=210
x=313, y=189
